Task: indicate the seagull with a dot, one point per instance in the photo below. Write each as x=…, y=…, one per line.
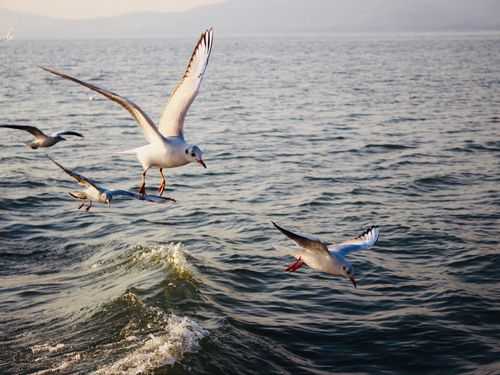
x=167, y=147
x=97, y=193
x=329, y=258
x=42, y=139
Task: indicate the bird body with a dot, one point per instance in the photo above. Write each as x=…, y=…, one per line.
x=329, y=259
x=95, y=192
x=170, y=154
x=42, y=139
x=167, y=147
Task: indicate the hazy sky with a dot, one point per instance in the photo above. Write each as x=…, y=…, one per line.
x=95, y=8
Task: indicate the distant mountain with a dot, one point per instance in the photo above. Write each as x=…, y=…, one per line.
x=271, y=16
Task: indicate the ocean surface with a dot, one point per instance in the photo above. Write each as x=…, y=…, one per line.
x=324, y=134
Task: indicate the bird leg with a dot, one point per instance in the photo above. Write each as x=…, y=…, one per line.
x=295, y=265
x=142, y=189
x=163, y=183
x=80, y=206
x=89, y=206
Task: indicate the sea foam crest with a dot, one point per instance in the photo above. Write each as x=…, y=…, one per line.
x=169, y=255
x=181, y=335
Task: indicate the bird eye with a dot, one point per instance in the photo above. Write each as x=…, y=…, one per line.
x=187, y=151
x=192, y=154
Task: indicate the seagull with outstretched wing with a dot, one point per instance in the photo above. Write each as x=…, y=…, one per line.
x=167, y=147
x=42, y=139
x=94, y=192
x=329, y=258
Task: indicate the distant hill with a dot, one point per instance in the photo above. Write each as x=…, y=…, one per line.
x=271, y=16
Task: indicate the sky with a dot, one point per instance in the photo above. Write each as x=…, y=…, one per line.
x=99, y=8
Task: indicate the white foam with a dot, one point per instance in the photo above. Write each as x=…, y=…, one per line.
x=68, y=362
x=35, y=349
x=171, y=254
x=180, y=335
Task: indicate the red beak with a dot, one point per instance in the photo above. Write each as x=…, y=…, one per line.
x=353, y=280
x=202, y=163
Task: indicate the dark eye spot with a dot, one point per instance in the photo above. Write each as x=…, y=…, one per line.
x=187, y=151
x=192, y=154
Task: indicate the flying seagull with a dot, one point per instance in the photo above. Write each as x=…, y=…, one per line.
x=97, y=193
x=42, y=139
x=330, y=259
x=167, y=147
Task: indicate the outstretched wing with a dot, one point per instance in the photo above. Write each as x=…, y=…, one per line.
x=150, y=131
x=172, y=118
x=67, y=132
x=32, y=129
x=133, y=195
x=365, y=240
x=82, y=180
x=305, y=242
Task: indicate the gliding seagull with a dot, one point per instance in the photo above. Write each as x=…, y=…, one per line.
x=330, y=259
x=42, y=139
x=167, y=147
x=98, y=193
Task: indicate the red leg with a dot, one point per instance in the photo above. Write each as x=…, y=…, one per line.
x=142, y=189
x=163, y=183
x=295, y=265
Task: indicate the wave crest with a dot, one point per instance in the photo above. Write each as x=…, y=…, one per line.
x=179, y=335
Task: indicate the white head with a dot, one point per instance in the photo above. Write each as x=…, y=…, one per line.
x=106, y=197
x=193, y=153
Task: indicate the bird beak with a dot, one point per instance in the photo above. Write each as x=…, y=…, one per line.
x=108, y=202
x=202, y=163
x=353, y=281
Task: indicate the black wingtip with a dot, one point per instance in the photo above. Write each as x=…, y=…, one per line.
x=366, y=231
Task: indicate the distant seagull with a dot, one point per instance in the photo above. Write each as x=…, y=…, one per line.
x=329, y=259
x=42, y=139
x=98, y=193
x=167, y=147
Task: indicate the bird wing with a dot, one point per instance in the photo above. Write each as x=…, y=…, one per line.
x=150, y=131
x=67, y=132
x=82, y=180
x=32, y=129
x=145, y=197
x=172, y=118
x=365, y=240
x=305, y=242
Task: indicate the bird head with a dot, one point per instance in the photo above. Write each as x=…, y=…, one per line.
x=106, y=197
x=193, y=153
x=348, y=272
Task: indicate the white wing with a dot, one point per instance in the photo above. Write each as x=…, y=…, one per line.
x=82, y=180
x=172, y=118
x=365, y=240
x=150, y=131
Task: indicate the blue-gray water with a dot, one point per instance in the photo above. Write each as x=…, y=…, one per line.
x=325, y=134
